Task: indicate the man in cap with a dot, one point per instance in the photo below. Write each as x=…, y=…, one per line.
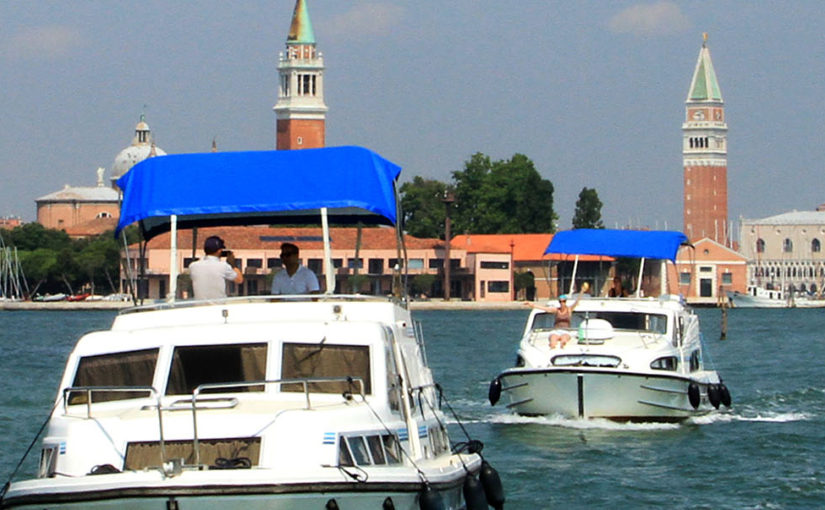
x=210, y=274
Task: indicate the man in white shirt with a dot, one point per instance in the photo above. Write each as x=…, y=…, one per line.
x=210, y=274
x=293, y=278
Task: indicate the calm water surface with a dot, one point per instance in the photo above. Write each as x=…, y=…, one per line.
x=767, y=452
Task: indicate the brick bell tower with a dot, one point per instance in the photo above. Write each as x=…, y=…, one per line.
x=705, y=155
x=300, y=111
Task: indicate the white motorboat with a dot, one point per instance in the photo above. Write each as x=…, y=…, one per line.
x=760, y=297
x=289, y=402
x=629, y=359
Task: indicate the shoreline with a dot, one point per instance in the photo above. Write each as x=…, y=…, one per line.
x=434, y=304
x=119, y=305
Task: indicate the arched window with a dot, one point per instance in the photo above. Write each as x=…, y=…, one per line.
x=787, y=245
x=816, y=246
x=104, y=214
x=760, y=246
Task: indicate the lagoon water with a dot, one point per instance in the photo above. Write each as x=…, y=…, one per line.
x=767, y=452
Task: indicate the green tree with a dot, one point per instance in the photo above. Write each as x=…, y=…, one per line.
x=40, y=267
x=32, y=236
x=588, y=210
x=423, y=284
x=502, y=197
x=523, y=280
x=424, y=211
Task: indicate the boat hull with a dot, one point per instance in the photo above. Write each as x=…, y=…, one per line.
x=276, y=497
x=599, y=393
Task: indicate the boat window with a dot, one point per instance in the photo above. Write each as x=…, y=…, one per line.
x=359, y=450
x=120, y=370
x=438, y=440
x=634, y=321
x=695, y=360
x=543, y=321
x=309, y=361
x=585, y=360
x=666, y=363
x=368, y=450
x=376, y=449
x=208, y=364
x=344, y=456
x=392, y=448
x=222, y=453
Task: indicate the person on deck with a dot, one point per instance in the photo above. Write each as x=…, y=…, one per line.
x=210, y=274
x=617, y=290
x=294, y=278
x=563, y=313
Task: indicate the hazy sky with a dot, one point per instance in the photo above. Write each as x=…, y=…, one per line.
x=592, y=92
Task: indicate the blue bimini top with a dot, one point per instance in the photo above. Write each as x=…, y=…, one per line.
x=651, y=244
x=262, y=187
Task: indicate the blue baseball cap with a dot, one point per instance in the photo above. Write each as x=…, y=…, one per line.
x=563, y=297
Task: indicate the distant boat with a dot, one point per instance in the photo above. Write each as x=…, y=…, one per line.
x=760, y=297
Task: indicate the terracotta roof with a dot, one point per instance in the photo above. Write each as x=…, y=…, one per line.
x=305, y=238
x=526, y=247
x=92, y=228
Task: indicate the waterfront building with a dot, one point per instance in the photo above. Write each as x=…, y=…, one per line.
x=367, y=263
x=10, y=222
x=706, y=271
x=704, y=155
x=785, y=250
x=300, y=111
x=84, y=211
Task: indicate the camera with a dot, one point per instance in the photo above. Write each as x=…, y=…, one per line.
x=225, y=253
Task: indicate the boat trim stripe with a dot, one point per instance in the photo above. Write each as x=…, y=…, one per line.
x=665, y=406
x=520, y=402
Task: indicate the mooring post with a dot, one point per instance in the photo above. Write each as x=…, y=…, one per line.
x=724, y=302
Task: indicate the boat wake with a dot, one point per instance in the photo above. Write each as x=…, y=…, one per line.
x=578, y=424
x=751, y=415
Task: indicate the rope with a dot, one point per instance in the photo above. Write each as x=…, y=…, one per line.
x=29, y=449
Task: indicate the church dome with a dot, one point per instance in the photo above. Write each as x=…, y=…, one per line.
x=142, y=147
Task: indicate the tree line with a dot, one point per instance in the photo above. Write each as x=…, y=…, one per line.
x=52, y=262
x=491, y=197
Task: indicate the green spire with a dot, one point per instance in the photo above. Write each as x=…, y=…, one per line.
x=704, y=86
x=300, y=32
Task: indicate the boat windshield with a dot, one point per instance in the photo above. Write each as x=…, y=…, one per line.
x=629, y=321
x=312, y=361
x=114, y=370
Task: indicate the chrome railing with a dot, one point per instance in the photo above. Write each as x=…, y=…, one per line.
x=91, y=390
x=198, y=402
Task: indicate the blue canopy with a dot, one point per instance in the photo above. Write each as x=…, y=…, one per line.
x=652, y=244
x=264, y=187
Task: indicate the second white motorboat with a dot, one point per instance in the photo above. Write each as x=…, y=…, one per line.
x=630, y=359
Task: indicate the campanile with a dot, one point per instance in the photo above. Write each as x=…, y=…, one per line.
x=705, y=155
x=300, y=111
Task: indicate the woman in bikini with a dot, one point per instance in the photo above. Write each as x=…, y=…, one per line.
x=563, y=313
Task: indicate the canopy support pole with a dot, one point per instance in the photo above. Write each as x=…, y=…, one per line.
x=639, y=283
x=173, y=258
x=573, y=278
x=328, y=269
x=663, y=283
